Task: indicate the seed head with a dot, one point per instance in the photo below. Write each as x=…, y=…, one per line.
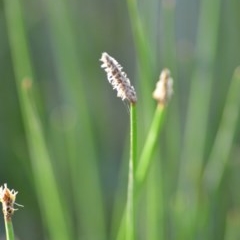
x=7, y=198
x=118, y=79
x=164, y=88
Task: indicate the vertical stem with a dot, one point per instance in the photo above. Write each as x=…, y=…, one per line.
x=84, y=173
x=133, y=136
x=55, y=216
x=130, y=218
x=196, y=126
x=143, y=55
x=9, y=229
x=224, y=139
x=141, y=169
x=147, y=152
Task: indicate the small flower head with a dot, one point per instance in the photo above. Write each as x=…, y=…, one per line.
x=164, y=88
x=7, y=198
x=118, y=79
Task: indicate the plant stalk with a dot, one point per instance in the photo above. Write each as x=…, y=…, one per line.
x=148, y=149
x=9, y=229
x=141, y=169
x=130, y=218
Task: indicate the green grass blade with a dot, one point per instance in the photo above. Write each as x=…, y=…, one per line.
x=17, y=38
x=142, y=167
x=169, y=39
x=154, y=204
x=224, y=139
x=80, y=142
x=54, y=218
x=144, y=57
x=54, y=212
x=196, y=122
x=168, y=57
x=197, y=115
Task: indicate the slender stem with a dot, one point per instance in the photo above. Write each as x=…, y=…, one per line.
x=144, y=55
x=196, y=130
x=130, y=221
x=9, y=229
x=83, y=173
x=141, y=169
x=224, y=138
x=133, y=136
x=148, y=149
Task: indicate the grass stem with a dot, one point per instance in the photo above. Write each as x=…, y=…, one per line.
x=9, y=229
x=148, y=149
x=224, y=138
x=130, y=218
x=145, y=159
x=143, y=54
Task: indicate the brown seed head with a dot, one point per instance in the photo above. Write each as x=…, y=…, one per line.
x=164, y=88
x=118, y=79
x=7, y=198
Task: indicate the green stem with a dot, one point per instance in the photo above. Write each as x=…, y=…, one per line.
x=133, y=136
x=148, y=149
x=70, y=74
x=143, y=54
x=9, y=229
x=145, y=159
x=130, y=221
x=196, y=123
x=55, y=215
x=224, y=139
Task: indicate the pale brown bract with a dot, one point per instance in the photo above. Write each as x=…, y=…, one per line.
x=164, y=88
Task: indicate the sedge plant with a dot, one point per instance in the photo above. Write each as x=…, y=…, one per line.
x=195, y=157
x=118, y=79
x=137, y=171
x=162, y=94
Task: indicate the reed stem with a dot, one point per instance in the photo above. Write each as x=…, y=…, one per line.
x=9, y=229
x=130, y=218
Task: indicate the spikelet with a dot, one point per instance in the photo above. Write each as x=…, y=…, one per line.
x=164, y=88
x=118, y=79
x=7, y=198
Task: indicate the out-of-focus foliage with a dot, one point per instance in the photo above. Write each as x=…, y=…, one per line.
x=84, y=126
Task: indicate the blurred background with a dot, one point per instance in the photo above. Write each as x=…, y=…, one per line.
x=64, y=133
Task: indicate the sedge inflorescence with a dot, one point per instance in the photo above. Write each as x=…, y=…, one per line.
x=118, y=79
x=7, y=197
x=164, y=88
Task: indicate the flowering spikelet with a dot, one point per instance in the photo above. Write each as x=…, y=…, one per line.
x=7, y=198
x=164, y=88
x=118, y=78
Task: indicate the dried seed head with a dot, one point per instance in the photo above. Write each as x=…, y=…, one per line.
x=7, y=198
x=118, y=78
x=164, y=88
